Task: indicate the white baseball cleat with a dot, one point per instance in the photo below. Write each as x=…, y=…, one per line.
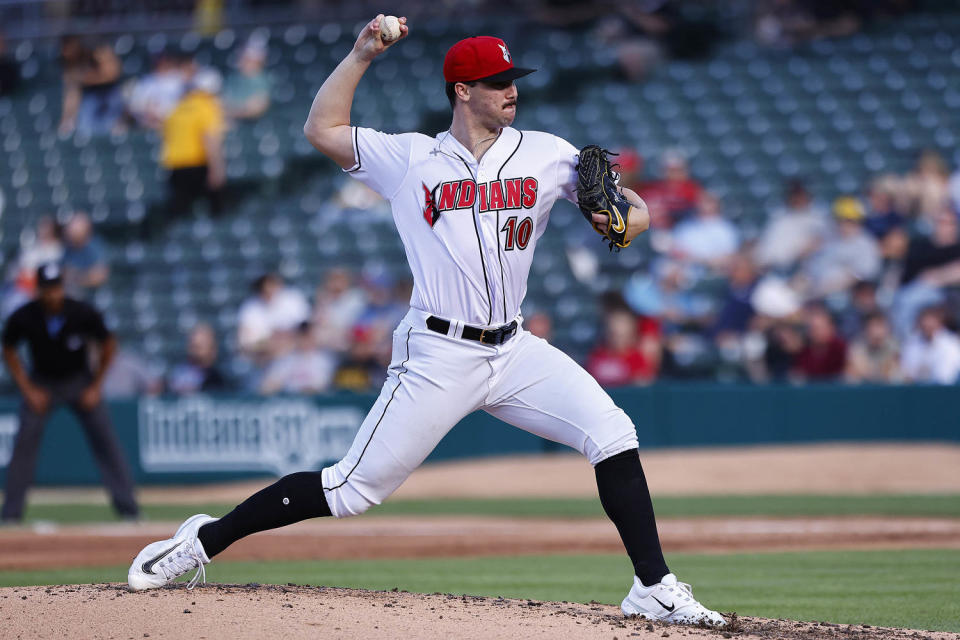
x=163, y=562
x=668, y=601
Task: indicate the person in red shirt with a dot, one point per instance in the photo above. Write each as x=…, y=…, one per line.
x=675, y=194
x=824, y=357
x=622, y=359
x=629, y=164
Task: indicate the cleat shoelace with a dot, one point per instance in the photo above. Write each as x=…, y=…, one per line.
x=181, y=561
x=700, y=612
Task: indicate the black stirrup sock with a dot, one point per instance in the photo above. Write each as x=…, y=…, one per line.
x=290, y=499
x=626, y=499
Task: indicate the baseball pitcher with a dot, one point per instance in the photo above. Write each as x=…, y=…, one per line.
x=470, y=205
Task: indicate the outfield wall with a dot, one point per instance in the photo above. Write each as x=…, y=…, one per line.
x=206, y=438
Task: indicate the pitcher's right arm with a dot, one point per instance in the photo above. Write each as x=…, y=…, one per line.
x=328, y=124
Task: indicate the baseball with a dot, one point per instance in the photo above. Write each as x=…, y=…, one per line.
x=389, y=28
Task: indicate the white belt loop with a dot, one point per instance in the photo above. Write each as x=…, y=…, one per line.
x=452, y=329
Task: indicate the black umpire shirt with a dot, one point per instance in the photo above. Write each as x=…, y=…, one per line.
x=58, y=343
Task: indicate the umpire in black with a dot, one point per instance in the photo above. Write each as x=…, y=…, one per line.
x=57, y=330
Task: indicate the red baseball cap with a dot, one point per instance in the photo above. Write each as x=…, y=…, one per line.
x=481, y=58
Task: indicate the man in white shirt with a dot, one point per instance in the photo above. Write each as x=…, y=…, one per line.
x=153, y=97
x=269, y=317
x=707, y=239
x=793, y=232
x=932, y=354
x=305, y=369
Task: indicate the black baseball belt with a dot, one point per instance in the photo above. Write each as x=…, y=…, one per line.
x=495, y=336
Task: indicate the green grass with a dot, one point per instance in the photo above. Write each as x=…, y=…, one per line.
x=915, y=588
x=790, y=505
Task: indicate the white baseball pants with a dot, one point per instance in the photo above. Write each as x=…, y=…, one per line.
x=435, y=380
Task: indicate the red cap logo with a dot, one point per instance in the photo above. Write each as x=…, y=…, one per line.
x=481, y=58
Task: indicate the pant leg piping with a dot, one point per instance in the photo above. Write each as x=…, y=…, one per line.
x=382, y=414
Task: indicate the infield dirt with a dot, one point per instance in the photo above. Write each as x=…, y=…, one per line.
x=439, y=536
x=823, y=469
x=217, y=612
x=221, y=612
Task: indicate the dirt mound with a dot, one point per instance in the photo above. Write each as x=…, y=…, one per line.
x=256, y=611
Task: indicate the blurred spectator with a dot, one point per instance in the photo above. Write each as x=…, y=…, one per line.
x=862, y=305
x=929, y=258
x=131, y=376
x=153, y=97
x=84, y=257
x=794, y=231
x=337, y=306
x=784, y=342
x=708, y=238
x=269, y=317
x=666, y=294
x=643, y=33
x=848, y=255
x=246, y=93
x=675, y=194
x=620, y=360
x=361, y=369
x=637, y=49
x=42, y=246
x=305, y=369
x=92, y=101
x=193, y=147
x=9, y=71
x=893, y=251
x=883, y=210
x=781, y=23
x=353, y=194
x=932, y=353
x=648, y=327
x=930, y=265
x=824, y=356
x=386, y=306
x=874, y=356
x=791, y=22
x=927, y=186
x=630, y=167
x=955, y=191
x=540, y=325
x=736, y=310
x=198, y=372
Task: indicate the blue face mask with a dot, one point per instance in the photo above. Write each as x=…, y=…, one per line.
x=54, y=325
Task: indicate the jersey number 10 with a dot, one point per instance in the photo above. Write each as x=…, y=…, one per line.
x=517, y=234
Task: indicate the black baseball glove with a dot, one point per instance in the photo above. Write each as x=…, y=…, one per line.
x=597, y=193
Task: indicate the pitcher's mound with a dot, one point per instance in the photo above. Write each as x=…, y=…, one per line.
x=216, y=612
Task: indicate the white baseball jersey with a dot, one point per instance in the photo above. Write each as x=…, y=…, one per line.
x=469, y=228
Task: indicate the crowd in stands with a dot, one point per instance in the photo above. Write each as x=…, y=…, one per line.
x=863, y=289
x=342, y=341
x=785, y=23
x=98, y=99
x=190, y=106
x=73, y=245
